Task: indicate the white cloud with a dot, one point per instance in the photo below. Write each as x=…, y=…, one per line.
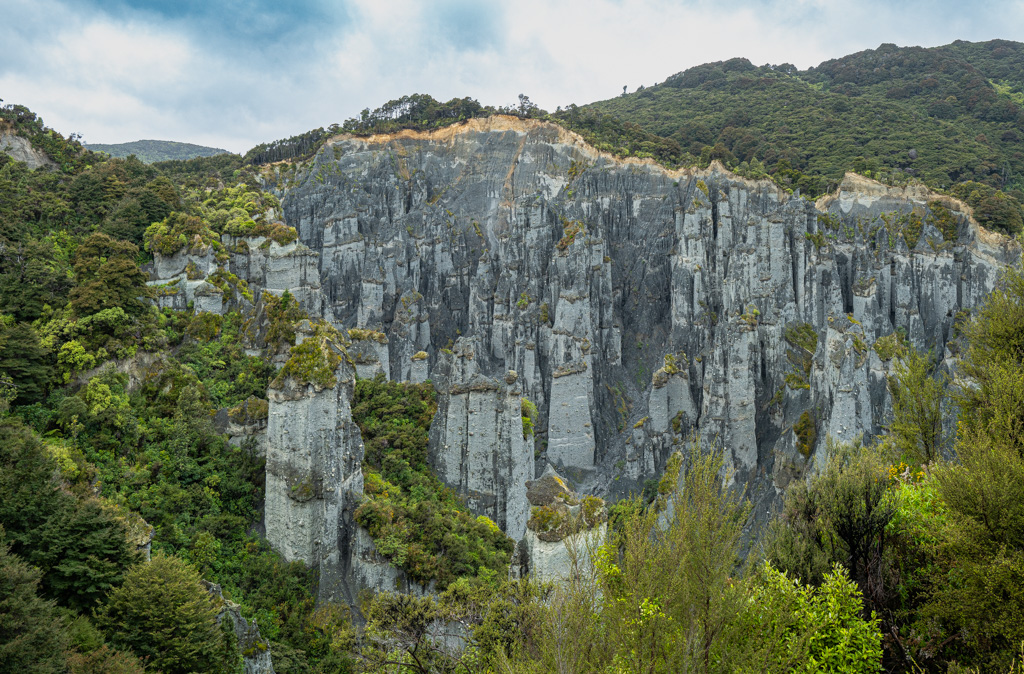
x=132, y=75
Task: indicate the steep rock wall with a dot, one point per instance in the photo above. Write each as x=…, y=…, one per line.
x=477, y=439
x=314, y=476
x=581, y=273
x=634, y=305
x=20, y=149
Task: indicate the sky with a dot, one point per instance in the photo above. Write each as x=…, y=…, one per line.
x=236, y=73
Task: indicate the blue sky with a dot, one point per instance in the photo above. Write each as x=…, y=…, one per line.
x=235, y=73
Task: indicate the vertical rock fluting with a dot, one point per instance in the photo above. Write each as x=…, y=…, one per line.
x=314, y=473
x=582, y=273
x=477, y=439
x=635, y=305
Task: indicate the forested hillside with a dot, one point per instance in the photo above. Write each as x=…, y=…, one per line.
x=943, y=115
x=94, y=464
x=905, y=554
x=152, y=151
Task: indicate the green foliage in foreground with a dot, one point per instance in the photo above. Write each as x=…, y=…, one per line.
x=659, y=595
x=936, y=546
x=163, y=613
x=416, y=522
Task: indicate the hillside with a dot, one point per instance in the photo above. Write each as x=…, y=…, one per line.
x=361, y=390
x=152, y=151
x=943, y=115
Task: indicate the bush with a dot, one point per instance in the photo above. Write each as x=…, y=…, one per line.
x=814, y=629
x=416, y=522
x=163, y=613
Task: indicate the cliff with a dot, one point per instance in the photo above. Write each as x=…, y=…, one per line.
x=635, y=306
x=20, y=149
x=582, y=273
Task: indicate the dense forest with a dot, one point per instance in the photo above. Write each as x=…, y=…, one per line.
x=903, y=554
x=151, y=151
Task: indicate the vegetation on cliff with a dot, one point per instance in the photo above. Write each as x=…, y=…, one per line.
x=107, y=421
x=93, y=461
x=416, y=522
x=944, y=115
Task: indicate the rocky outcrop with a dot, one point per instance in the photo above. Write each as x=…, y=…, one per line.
x=20, y=149
x=636, y=307
x=563, y=533
x=582, y=273
x=314, y=462
x=255, y=650
x=477, y=442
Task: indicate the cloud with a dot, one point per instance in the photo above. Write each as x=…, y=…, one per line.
x=239, y=72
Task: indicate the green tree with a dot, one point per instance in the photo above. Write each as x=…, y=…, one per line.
x=414, y=634
x=917, y=399
x=803, y=628
x=163, y=613
x=980, y=596
x=107, y=276
x=33, y=637
x=24, y=359
x=81, y=550
x=844, y=516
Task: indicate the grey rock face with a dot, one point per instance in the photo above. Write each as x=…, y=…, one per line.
x=477, y=441
x=636, y=306
x=581, y=272
x=20, y=149
x=314, y=477
x=564, y=545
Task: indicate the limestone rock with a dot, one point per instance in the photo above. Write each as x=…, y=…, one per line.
x=582, y=272
x=477, y=445
x=637, y=306
x=563, y=531
x=256, y=656
x=20, y=149
x=314, y=476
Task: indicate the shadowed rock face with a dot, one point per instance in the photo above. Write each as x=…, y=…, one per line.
x=581, y=273
x=633, y=305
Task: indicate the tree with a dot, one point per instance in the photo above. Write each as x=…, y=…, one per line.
x=25, y=361
x=527, y=108
x=843, y=516
x=980, y=597
x=415, y=634
x=104, y=660
x=107, y=277
x=81, y=550
x=84, y=552
x=803, y=628
x=917, y=408
x=163, y=613
x=670, y=600
x=33, y=637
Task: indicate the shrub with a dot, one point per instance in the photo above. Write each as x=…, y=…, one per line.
x=163, y=613
x=415, y=521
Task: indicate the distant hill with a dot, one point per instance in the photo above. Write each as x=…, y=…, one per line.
x=151, y=151
x=945, y=115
